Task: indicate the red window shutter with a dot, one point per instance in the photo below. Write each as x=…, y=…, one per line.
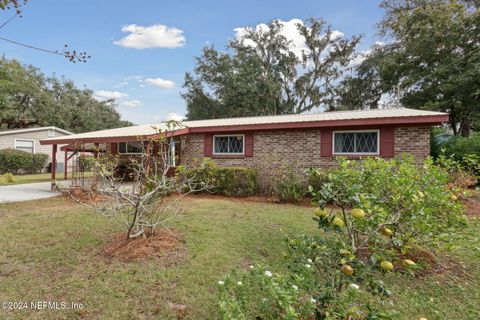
x=249, y=145
x=387, y=142
x=208, y=145
x=113, y=148
x=326, y=143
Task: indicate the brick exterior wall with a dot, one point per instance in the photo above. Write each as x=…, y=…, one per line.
x=413, y=140
x=273, y=151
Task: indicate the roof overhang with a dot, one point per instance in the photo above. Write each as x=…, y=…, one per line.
x=387, y=121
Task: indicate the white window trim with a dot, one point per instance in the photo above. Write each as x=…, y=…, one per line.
x=31, y=140
x=228, y=153
x=126, y=147
x=355, y=153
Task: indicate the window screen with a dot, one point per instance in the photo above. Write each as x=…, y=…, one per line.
x=361, y=142
x=228, y=144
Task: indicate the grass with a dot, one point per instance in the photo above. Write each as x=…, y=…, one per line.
x=50, y=251
x=27, y=178
x=31, y=178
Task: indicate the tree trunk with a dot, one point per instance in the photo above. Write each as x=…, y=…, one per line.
x=465, y=128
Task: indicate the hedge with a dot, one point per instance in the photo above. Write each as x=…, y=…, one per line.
x=18, y=162
x=458, y=147
x=229, y=181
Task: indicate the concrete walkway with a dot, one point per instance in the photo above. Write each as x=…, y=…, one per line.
x=24, y=192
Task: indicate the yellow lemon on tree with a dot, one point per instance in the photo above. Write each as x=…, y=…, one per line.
x=386, y=232
x=408, y=262
x=338, y=222
x=321, y=212
x=344, y=253
x=357, y=213
x=453, y=197
x=386, y=265
x=347, y=270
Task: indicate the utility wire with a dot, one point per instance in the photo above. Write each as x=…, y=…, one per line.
x=31, y=47
x=6, y=22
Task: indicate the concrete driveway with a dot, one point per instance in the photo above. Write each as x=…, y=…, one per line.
x=24, y=192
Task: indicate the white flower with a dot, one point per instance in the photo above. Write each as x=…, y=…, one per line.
x=309, y=260
x=251, y=267
x=294, y=287
x=268, y=273
x=354, y=286
x=308, y=266
x=221, y=282
x=239, y=283
x=313, y=300
x=264, y=299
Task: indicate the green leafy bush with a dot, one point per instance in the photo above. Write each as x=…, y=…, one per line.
x=16, y=161
x=380, y=212
x=289, y=186
x=459, y=147
x=463, y=173
x=317, y=177
x=229, y=181
x=86, y=163
x=314, y=288
x=39, y=160
x=388, y=206
x=7, y=178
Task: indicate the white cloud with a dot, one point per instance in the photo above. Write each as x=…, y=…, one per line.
x=131, y=104
x=174, y=116
x=105, y=95
x=161, y=83
x=154, y=36
x=289, y=31
x=122, y=84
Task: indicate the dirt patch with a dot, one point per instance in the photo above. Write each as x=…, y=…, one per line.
x=164, y=244
x=83, y=195
x=431, y=264
x=472, y=204
x=427, y=263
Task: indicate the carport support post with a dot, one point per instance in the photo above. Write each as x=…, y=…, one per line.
x=96, y=148
x=54, y=164
x=65, y=168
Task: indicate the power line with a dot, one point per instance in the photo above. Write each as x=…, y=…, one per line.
x=32, y=47
x=6, y=22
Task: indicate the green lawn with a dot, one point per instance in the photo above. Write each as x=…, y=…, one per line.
x=29, y=178
x=50, y=250
x=37, y=177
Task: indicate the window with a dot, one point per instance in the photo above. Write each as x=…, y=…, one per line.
x=231, y=144
x=51, y=133
x=25, y=145
x=356, y=142
x=130, y=147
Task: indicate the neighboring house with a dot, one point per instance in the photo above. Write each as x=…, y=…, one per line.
x=28, y=140
x=270, y=143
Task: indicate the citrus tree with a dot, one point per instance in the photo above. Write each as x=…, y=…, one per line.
x=374, y=214
x=385, y=208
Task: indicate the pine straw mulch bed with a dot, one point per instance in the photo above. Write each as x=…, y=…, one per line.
x=168, y=245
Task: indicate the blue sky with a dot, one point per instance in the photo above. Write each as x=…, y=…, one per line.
x=147, y=81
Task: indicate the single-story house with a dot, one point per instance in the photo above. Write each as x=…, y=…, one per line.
x=28, y=139
x=269, y=143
